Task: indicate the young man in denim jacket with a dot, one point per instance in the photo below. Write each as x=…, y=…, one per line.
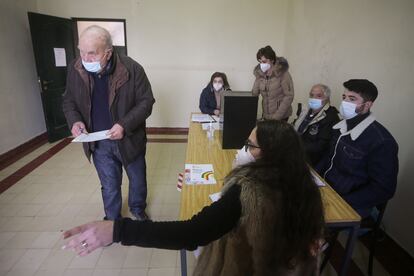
x=362, y=161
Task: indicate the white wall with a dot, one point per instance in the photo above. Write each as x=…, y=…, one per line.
x=181, y=43
x=333, y=41
x=20, y=104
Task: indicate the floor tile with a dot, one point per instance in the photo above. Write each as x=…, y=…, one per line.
x=163, y=258
x=9, y=257
x=22, y=240
x=86, y=262
x=32, y=259
x=134, y=272
x=112, y=256
x=161, y=271
x=137, y=257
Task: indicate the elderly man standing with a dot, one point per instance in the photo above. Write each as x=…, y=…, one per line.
x=315, y=123
x=107, y=91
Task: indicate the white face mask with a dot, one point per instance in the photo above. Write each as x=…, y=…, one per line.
x=315, y=104
x=243, y=157
x=348, y=110
x=92, y=67
x=264, y=67
x=217, y=86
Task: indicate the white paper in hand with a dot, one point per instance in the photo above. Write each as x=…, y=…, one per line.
x=317, y=179
x=91, y=137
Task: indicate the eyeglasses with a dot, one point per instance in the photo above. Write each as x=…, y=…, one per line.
x=247, y=144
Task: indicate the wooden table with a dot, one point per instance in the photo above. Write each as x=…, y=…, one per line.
x=201, y=150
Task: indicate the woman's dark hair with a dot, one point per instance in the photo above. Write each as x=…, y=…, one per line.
x=266, y=52
x=221, y=75
x=283, y=168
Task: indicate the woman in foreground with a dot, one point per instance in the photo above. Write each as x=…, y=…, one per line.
x=268, y=221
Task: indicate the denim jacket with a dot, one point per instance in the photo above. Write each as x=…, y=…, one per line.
x=362, y=164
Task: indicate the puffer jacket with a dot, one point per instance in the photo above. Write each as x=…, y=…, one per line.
x=277, y=92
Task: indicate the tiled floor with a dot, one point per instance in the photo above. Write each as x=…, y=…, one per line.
x=64, y=192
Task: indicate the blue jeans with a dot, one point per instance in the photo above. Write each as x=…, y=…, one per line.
x=108, y=164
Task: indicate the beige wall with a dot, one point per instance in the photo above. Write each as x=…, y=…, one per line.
x=20, y=104
x=181, y=43
x=332, y=41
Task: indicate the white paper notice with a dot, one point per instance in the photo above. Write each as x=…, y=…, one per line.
x=60, y=57
x=317, y=179
x=91, y=137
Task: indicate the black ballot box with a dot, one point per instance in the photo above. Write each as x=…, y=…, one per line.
x=237, y=118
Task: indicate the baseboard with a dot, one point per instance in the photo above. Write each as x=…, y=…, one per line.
x=392, y=256
x=20, y=151
x=8, y=158
x=167, y=130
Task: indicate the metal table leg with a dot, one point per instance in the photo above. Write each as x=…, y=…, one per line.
x=183, y=255
x=353, y=233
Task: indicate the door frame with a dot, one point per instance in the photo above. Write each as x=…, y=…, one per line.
x=76, y=34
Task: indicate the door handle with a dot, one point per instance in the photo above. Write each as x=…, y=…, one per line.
x=47, y=82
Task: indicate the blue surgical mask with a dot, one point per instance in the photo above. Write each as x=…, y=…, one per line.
x=92, y=67
x=315, y=104
x=348, y=110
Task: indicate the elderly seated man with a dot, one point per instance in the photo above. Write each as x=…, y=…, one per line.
x=315, y=123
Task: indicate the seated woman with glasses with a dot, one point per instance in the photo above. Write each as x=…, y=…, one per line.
x=211, y=95
x=268, y=221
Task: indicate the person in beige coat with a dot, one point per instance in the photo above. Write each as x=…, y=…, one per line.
x=268, y=221
x=274, y=83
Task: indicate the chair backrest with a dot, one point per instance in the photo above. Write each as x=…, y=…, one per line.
x=370, y=222
x=298, y=111
x=381, y=210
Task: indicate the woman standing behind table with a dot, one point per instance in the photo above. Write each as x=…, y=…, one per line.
x=274, y=83
x=211, y=94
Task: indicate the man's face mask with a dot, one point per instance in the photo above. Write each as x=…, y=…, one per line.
x=93, y=67
x=315, y=104
x=348, y=110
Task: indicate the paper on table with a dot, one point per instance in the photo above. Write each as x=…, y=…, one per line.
x=91, y=137
x=205, y=126
x=199, y=174
x=200, y=118
x=214, y=197
x=317, y=179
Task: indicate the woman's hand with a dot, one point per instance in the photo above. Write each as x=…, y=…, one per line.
x=88, y=237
